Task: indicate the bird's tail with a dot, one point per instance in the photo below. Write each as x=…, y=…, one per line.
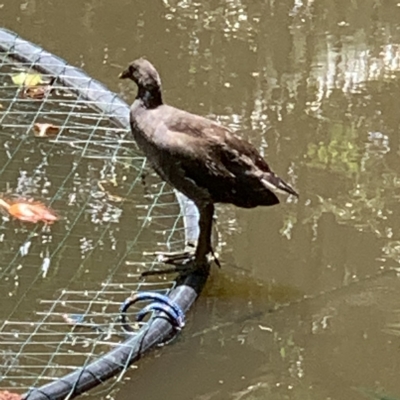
x=277, y=185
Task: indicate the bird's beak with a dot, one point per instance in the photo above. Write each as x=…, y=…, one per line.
x=124, y=74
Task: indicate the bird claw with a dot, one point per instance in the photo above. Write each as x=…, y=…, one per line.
x=182, y=269
x=184, y=262
x=177, y=258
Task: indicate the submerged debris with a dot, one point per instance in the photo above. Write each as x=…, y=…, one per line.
x=44, y=130
x=111, y=197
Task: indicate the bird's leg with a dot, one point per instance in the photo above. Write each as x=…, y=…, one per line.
x=204, y=249
x=192, y=251
x=197, y=258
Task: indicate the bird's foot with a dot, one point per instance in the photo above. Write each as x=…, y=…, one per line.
x=188, y=268
x=184, y=262
x=178, y=258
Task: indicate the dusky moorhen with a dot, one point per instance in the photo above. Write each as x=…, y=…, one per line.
x=199, y=157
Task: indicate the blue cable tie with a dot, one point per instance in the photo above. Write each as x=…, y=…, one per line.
x=172, y=317
x=161, y=303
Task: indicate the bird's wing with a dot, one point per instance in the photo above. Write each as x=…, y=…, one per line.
x=243, y=159
x=232, y=148
x=194, y=153
x=210, y=154
x=214, y=144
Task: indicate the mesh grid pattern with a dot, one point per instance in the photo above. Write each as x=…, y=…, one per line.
x=92, y=175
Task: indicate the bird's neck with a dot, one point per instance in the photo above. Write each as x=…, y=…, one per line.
x=150, y=98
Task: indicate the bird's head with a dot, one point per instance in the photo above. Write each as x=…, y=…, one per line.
x=143, y=73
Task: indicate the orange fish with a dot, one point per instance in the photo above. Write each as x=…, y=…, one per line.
x=5, y=395
x=29, y=212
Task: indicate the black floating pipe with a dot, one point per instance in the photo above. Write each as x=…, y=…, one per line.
x=186, y=291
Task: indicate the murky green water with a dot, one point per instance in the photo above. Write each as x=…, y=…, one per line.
x=306, y=304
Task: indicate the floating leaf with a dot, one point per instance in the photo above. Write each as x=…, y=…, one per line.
x=44, y=130
x=29, y=211
x=283, y=352
x=25, y=79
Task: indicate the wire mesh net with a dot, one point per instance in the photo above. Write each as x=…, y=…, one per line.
x=80, y=269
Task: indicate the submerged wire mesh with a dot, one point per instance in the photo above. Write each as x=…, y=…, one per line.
x=92, y=175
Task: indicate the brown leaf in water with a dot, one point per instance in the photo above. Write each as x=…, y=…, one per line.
x=38, y=91
x=44, y=130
